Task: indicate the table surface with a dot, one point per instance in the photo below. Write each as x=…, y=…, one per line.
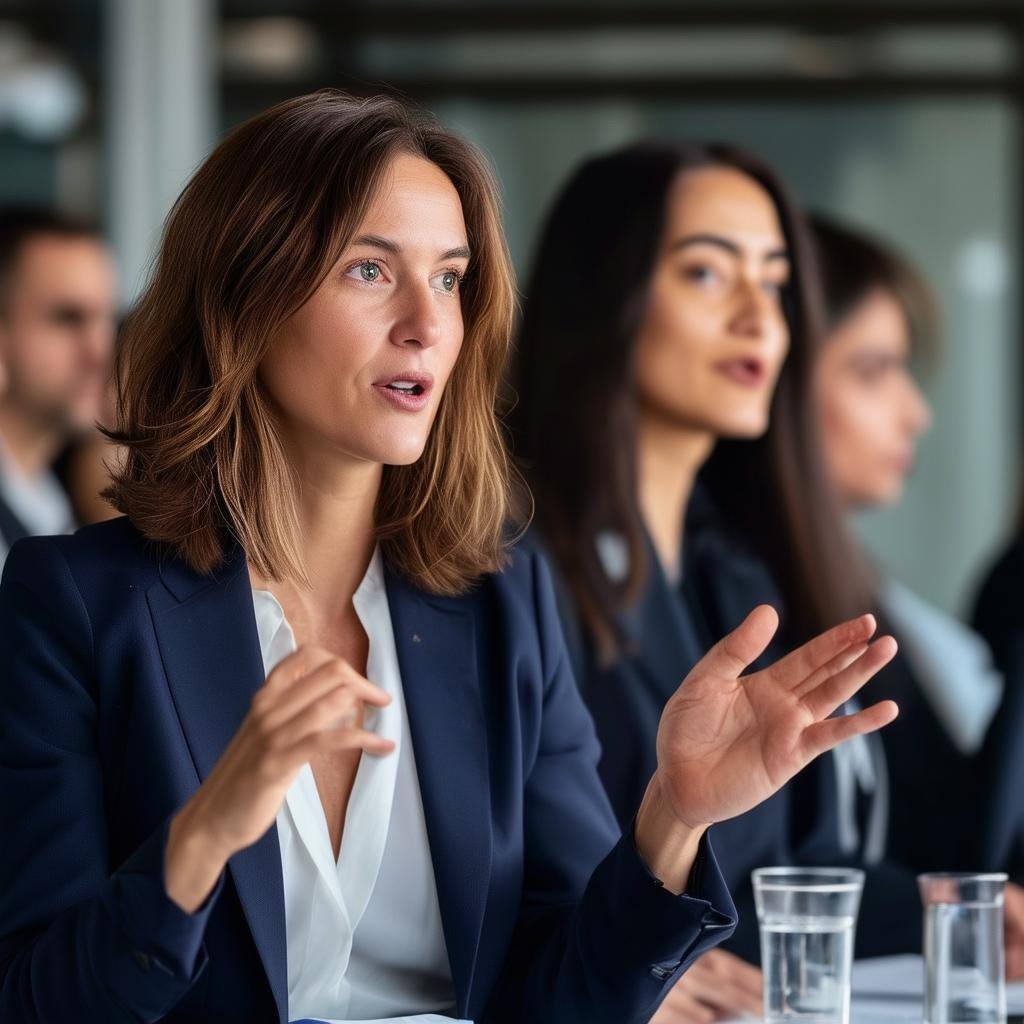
x=890, y=990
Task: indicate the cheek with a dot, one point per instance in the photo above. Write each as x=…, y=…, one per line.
x=671, y=348
x=854, y=430
x=316, y=357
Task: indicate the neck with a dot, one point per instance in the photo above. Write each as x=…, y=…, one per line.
x=336, y=507
x=32, y=444
x=668, y=459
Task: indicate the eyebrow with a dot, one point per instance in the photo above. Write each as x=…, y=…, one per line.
x=460, y=252
x=723, y=243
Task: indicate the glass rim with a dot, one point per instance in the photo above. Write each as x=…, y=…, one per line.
x=775, y=879
x=964, y=876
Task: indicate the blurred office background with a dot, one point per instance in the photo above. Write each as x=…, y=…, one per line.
x=905, y=116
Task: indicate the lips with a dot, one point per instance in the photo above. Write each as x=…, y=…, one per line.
x=409, y=391
x=747, y=371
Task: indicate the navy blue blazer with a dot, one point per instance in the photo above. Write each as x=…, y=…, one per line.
x=668, y=631
x=125, y=676
x=999, y=617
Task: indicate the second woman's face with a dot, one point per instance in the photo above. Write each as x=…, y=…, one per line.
x=359, y=370
x=714, y=336
x=871, y=410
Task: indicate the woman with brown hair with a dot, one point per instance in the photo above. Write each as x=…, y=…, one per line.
x=665, y=426
x=210, y=813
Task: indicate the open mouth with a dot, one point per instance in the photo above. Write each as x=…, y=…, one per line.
x=405, y=387
x=411, y=391
x=747, y=371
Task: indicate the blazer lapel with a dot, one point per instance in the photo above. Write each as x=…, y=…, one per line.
x=206, y=632
x=435, y=639
x=665, y=645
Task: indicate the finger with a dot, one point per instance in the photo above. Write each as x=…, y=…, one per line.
x=728, y=967
x=829, y=695
x=725, y=997
x=747, y=976
x=799, y=665
x=822, y=736
x=724, y=991
x=284, y=704
x=735, y=651
x=679, y=1007
x=842, y=660
x=1014, y=962
x=304, y=659
x=337, y=709
x=337, y=739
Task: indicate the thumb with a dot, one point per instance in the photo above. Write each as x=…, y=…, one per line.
x=746, y=643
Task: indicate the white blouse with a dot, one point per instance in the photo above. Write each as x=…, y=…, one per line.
x=364, y=935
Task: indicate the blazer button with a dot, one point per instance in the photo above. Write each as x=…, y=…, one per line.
x=142, y=961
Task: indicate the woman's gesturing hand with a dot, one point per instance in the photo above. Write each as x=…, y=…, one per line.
x=312, y=702
x=717, y=986
x=728, y=741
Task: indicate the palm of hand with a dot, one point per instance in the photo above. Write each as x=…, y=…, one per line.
x=726, y=742
x=724, y=745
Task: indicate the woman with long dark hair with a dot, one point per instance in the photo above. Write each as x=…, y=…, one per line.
x=664, y=423
x=296, y=735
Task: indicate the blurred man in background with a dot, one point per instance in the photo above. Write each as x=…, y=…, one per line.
x=58, y=303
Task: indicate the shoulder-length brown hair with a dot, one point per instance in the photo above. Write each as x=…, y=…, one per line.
x=574, y=427
x=249, y=240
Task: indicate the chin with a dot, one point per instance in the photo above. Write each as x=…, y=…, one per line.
x=401, y=453
x=747, y=428
x=882, y=495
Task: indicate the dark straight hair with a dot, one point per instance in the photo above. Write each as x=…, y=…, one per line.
x=574, y=424
x=855, y=264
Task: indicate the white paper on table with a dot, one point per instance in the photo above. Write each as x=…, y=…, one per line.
x=901, y=978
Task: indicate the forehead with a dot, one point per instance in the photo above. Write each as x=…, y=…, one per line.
x=723, y=201
x=416, y=204
x=878, y=324
x=64, y=267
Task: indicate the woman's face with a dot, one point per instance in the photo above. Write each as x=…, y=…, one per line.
x=714, y=336
x=872, y=411
x=359, y=370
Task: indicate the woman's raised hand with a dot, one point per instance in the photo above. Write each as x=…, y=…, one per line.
x=312, y=702
x=727, y=741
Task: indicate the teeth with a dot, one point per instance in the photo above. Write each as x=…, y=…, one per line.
x=402, y=385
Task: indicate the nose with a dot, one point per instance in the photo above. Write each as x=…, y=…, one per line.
x=417, y=322
x=755, y=312
x=97, y=339
x=919, y=412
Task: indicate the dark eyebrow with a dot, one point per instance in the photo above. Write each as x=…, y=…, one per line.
x=460, y=252
x=723, y=243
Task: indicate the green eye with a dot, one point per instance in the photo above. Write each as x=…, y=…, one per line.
x=447, y=281
x=369, y=271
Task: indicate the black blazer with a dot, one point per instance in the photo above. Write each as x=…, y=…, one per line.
x=668, y=631
x=999, y=617
x=125, y=674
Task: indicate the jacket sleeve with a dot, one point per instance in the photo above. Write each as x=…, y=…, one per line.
x=604, y=944
x=80, y=938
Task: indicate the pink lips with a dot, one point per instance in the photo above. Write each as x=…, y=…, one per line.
x=407, y=391
x=747, y=372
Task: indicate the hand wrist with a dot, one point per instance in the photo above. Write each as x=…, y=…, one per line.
x=667, y=845
x=190, y=828
x=193, y=861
